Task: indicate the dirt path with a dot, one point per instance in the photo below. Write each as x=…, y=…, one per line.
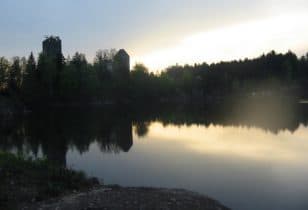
x=120, y=198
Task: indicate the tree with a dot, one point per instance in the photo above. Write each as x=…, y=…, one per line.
x=30, y=80
x=103, y=64
x=4, y=68
x=14, y=77
x=79, y=66
x=140, y=68
x=46, y=68
x=140, y=80
x=103, y=68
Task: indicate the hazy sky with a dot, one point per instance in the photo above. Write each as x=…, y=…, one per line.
x=157, y=32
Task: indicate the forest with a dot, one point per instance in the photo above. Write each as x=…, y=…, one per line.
x=74, y=80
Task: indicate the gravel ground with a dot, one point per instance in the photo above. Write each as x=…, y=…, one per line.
x=120, y=198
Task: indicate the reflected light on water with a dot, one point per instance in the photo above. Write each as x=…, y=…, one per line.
x=244, y=142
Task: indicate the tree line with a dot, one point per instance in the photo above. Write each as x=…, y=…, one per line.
x=75, y=80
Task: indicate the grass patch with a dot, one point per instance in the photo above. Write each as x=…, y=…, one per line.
x=24, y=180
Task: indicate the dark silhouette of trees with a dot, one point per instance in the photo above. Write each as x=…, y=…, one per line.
x=14, y=75
x=53, y=79
x=140, y=80
x=142, y=128
x=102, y=67
x=30, y=79
x=46, y=74
x=4, y=68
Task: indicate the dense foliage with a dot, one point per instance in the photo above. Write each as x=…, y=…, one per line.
x=75, y=80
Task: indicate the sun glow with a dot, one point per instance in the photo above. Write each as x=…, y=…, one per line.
x=245, y=40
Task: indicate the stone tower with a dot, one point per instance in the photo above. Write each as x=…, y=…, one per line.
x=121, y=64
x=52, y=46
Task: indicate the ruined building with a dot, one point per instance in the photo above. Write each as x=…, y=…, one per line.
x=118, y=65
x=52, y=46
x=121, y=64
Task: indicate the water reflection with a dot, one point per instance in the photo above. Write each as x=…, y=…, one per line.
x=248, y=158
x=252, y=143
x=52, y=133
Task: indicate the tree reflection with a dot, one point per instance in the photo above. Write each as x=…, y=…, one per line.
x=142, y=128
x=53, y=133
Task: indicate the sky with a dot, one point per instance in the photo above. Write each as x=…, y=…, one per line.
x=158, y=33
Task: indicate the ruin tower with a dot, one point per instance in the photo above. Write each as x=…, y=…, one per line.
x=121, y=64
x=52, y=46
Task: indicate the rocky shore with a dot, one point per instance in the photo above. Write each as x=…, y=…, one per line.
x=121, y=198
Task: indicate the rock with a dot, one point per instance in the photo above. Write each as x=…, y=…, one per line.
x=120, y=198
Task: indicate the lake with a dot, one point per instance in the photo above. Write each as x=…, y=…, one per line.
x=249, y=157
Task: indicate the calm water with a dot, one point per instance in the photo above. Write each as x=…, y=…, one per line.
x=252, y=161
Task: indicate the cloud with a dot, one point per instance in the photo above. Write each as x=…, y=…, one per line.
x=250, y=39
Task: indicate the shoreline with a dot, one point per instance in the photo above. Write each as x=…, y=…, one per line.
x=27, y=184
x=113, y=197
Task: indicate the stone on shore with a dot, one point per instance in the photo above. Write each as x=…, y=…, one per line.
x=120, y=198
